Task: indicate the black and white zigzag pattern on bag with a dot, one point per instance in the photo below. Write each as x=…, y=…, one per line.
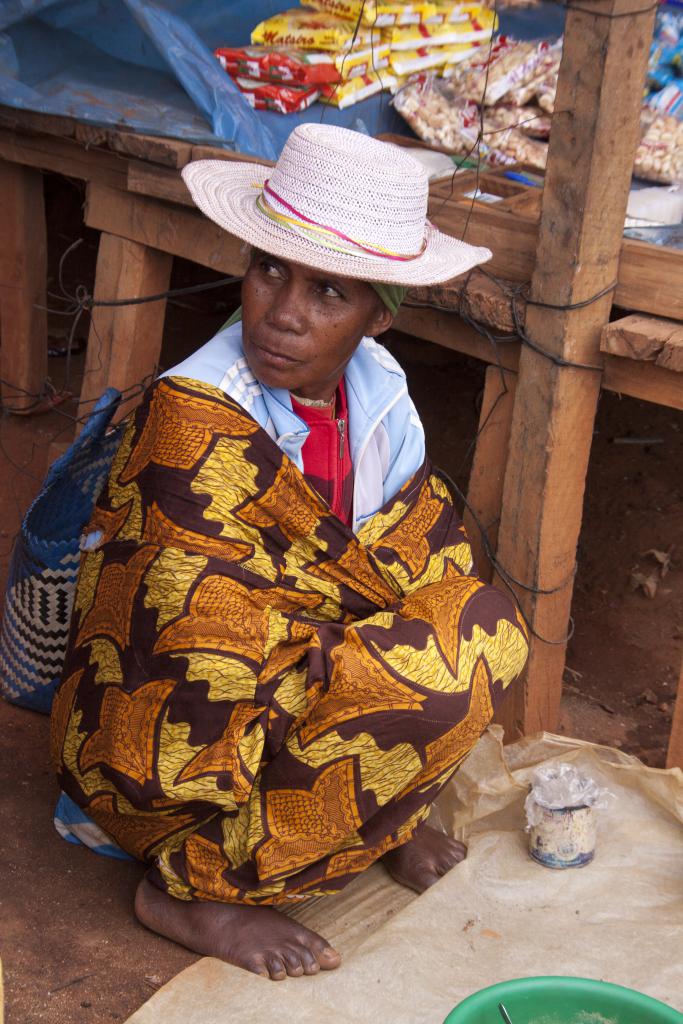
x=35, y=629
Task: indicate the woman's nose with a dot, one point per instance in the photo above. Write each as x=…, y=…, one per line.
x=285, y=313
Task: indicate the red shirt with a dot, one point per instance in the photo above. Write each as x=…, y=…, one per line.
x=326, y=453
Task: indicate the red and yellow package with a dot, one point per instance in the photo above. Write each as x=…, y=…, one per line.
x=362, y=60
x=451, y=13
x=378, y=13
x=309, y=30
x=285, y=99
x=278, y=64
x=407, y=62
x=471, y=29
x=345, y=94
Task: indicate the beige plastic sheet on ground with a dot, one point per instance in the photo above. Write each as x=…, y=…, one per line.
x=498, y=915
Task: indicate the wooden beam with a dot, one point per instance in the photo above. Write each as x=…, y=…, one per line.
x=217, y=153
x=646, y=338
x=23, y=276
x=158, y=183
x=486, y=301
x=674, y=754
x=162, y=183
x=65, y=156
x=124, y=341
x=592, y=146
x=155, y=149
x=159, y=225
x=32, y=122
x=447, y=329
x=623, y=376
x=485, y=489
x=650, y=276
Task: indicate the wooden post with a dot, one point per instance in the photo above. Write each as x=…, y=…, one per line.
x=674, y=754
x=592, y=146
x=124, y=341
x=485, y=490
x=23, y=280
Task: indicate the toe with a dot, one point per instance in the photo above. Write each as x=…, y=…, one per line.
x=329, y=958
x=276, y=966
x=293, y=963
x=308, y=960
x=257, y=965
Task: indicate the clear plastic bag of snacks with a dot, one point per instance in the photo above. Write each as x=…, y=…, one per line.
x=310, y=30
x=531, y=121
x=659, y=156
x=440, y=120
x=436, y=113
x=504, y=132
x=278, y=64
x=510, y=66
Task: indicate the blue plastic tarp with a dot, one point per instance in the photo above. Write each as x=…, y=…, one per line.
x=149, y=67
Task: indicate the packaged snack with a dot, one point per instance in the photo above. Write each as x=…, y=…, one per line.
x=659, y=156
x=440, y=117
x=362, y=60
x=377, y=13
x=345, y=94
x=278, y=64
x=415, y=37
x=285, y=99
x=511, y=66
x=531, y=121
x=407, y=62
x=451, y=13
x=309, y=30
x=502, y=132
x=546, y=92
x=544, y=77
x=669, y=100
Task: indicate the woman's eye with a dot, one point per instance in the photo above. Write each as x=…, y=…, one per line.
x=270, y=268
x=329, y=290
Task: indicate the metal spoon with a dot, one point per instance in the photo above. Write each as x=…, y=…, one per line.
x=504, y=1014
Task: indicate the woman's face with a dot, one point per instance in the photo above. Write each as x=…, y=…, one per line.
x=301, y=326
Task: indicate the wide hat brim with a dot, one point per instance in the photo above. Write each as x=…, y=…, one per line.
x=226, y=192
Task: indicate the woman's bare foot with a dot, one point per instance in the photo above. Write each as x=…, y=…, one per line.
x=424, y=859
x=259, y=939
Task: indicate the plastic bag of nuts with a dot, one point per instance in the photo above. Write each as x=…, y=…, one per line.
x=659, y=156
x=441, y=118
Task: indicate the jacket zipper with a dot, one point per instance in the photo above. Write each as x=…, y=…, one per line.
x=341, y=430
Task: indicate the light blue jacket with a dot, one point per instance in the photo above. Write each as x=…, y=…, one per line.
x=385, y=432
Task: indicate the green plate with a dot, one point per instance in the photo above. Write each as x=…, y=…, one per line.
x=562, y=1001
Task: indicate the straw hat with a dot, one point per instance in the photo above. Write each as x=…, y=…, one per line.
x=336, y=200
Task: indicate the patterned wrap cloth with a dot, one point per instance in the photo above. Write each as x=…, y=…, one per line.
x=256, y=700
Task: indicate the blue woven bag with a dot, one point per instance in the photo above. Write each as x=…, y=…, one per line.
x=44, y=567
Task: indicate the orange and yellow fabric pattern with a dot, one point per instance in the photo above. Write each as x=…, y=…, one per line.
x=256, y=700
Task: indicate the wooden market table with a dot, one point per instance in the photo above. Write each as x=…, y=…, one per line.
x=552, y=273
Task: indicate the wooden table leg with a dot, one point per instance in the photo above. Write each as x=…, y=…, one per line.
x=590, y=159
x=485, y=490
x=674, y=754
x=23, y=280
x=124, y=342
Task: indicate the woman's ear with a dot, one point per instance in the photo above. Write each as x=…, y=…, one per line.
x=380, y=322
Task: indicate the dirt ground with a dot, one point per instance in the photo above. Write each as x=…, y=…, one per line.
x=71, y=948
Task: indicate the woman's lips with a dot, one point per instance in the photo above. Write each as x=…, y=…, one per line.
x=274, y=357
